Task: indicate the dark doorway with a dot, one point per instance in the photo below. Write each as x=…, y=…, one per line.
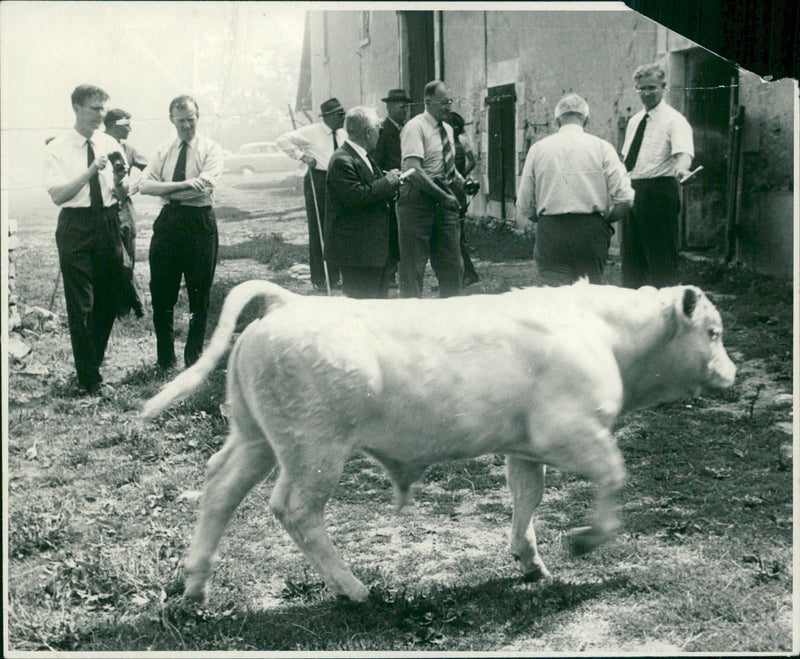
x=709, y=98
x=421, y=56
x=502, y=118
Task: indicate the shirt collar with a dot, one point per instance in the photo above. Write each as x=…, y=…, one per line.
x=658, y=109
x=192, y=143
x=430, y=118
x=361, y=151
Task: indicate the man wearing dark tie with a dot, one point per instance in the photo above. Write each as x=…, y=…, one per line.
x=427, y=209
x=184, y=173
x=658, y=152
x=314, y=144
x=86, y=189
x=358, y=213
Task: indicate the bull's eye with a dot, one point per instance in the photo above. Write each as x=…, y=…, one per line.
x=714, y=334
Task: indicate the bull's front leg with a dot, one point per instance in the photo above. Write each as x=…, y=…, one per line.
x=526, y=481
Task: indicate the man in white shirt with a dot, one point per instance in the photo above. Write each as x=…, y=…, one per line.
x=184, y=173
x=574, y=185
x=658, y=152
x=427, y=209
x=81, y=182
x=314, y=145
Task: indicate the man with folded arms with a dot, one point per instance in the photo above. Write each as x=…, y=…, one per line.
x=184, y=173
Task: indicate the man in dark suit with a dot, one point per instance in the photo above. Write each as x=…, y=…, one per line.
x=357, y=213
x=387, y=151
x=387, y=155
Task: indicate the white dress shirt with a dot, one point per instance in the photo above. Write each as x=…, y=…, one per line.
x=362, y=152
x=315, y=140
x=667, y=132
x=572, y=172
x=204, y=160
x=66, y=158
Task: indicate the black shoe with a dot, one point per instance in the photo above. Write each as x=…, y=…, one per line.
x=93, y=389
x=168, y=365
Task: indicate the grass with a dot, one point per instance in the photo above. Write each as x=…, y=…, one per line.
x=101, y=509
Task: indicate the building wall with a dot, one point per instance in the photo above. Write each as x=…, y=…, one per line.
x=766, y=208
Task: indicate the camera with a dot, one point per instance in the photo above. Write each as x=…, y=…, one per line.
x=117, y=162
x=471, y=186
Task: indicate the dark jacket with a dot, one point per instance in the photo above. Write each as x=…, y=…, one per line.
x=357, y=212
x=387, y=150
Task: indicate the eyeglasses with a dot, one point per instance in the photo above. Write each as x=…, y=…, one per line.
x=648, y=88
x=446, y=102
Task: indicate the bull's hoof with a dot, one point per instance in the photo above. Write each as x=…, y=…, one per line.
x=538, y=573
x=585, y=540
x=196, y=591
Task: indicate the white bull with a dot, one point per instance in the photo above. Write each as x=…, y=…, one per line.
x=538, y=374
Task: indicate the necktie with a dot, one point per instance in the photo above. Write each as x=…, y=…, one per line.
x=448, y=159
x=375, y=169
x=180, y=165
x=95, y=194
x=335, y=142
x=636, y=144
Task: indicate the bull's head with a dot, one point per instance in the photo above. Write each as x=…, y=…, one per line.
x=702, y=329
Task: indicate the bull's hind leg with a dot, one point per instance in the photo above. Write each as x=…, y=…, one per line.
x=246, y=459
x=298, y=501
x=526, y=481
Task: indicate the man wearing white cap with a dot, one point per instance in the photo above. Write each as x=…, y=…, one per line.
x=574, y=186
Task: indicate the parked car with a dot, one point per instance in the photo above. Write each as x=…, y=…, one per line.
x=259, y=157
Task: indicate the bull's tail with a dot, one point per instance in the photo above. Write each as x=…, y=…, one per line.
x=188, y=381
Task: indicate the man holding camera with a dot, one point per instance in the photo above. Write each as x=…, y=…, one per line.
x=184, y=173
x=427, y=208
x=86, y=189
x=118, y=125
x=574, y=186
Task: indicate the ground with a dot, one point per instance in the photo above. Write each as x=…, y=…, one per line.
x=101, y=507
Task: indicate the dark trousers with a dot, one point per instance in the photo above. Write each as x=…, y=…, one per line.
x=131, y=298
x=649, y=247
x=426, y=230
x=470, y=274
x=315, y=261
x=572, y=246
x=184, y=244
x=365, y=282
x=89, y=255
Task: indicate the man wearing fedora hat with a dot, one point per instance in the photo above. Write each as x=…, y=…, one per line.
x=314, y=145
x=388, y=156
x=387, y=151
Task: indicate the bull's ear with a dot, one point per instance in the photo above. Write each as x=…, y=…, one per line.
x=689, y=301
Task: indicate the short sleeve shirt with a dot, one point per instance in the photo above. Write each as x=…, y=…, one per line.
x=420, y=138
x=667, y=133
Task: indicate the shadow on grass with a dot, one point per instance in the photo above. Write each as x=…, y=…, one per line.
x=444, y=618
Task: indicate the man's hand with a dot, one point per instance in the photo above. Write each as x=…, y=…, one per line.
x=523, y=223
x=393, y=176
x=198, y=184
x=99, y=163
x=308, y=160
x=451, y=202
